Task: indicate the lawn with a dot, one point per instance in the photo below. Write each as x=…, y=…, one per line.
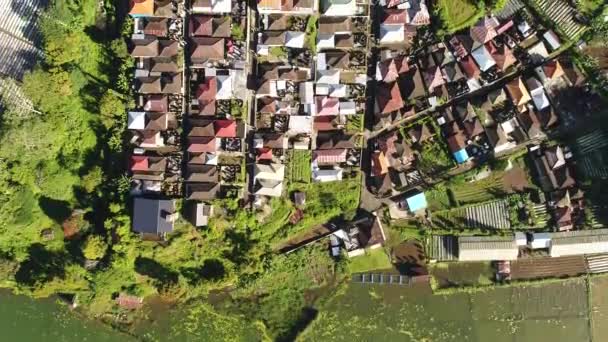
x=372, y=260
x=551, y=311
x=598, y=286
x=459, y=14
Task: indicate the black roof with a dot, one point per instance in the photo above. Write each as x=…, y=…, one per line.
x=149, y=215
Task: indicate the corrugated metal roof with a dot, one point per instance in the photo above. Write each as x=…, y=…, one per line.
x=580, y=236
x=486, y=242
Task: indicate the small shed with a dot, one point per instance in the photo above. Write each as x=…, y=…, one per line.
x=416, y=202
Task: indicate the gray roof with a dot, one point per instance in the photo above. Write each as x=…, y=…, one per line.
x=149, y=215
x=580, y=236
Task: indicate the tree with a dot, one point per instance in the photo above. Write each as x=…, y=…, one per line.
x=92, y=179
x=94, y=247
x=111, y=108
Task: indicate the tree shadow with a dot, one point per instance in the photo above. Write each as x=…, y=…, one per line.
x=212, y=270
x=41, y=266
x=153, y=269
x=306, y=317
x=58, y=210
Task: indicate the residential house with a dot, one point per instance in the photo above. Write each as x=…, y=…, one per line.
x=202, y=191
x=519, y=94
x=201, y=174
x=200, y=213
x=268, y=179
x=552, y=168
x=388, y=98
x=154, y=217
x=206, y=49
x=579, y=242
x=209, y=26
x=539, y=97
x=287, y=6
x=212, y=6
x=338, y=7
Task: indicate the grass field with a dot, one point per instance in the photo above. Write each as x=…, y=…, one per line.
x=374, y=259
x=599, y=307
x=299, y=166
x=459, y=14
x=552, y=311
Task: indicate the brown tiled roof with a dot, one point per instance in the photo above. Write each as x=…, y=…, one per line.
x=156, y=27
x=156, y=103
x=202, y=173
x=473, y=128
x=502, y=55
x=412, y=84
x=163, y=65
x=156, y=121
x=334, y=141
x=268, y=71
x=202, y=191
x=469, y=67
x=274, y=141
x=334, y=24
x=145, y=48
x=205, y=49
x=456, y=142
x=344, y=40
x=273, y=38
x=267, y=105
x=201, y=128
x=168, y=48
x=277, y=22
x=337, y=59
x=420, y=133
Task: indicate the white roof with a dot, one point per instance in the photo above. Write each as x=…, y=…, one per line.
x=524, y=27
x=390, y=33
x=217, y=6
x=473, y=84
x=294, y=39
x=327, y=175
x=328, y=76
x=483, y=58
x=361, y=79
x=322, y=89
x=270, y=188
x=487, y=248
x=137, y=120
x=270, y=171
x=337, y=9
x=325, y=41
x=300, y=124
x=224, y=87
x=348, y=107
x=337, y=90
x=307, y=92
x=263, y=50
x=321, y=61
x=540, y=98
x=540, y=240
x=211, y=159
x=552, y=40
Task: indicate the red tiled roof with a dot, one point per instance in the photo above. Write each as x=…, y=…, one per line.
x=201, y=144
x=207, y=90
x=389, y=98
x=206, y=107
x=484, y=30
x=327, y=105
x=334, y=156
x=264, y=154
x=469, y=67
x=394, y=16
x=225, y=128
x=553, y=69
x=324, y=123
x=139, y=163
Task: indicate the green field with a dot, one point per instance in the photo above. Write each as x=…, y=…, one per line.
x=552, y=311
x=599, y=307
x=299, y=166
x=459, y=14
x=375, y=259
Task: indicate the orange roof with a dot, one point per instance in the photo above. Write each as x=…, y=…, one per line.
x=553, y=69
x=141, y=7
x=518, y=92
x=225, y=128
x=379, y=163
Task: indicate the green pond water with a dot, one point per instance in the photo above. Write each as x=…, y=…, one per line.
x=26, y=319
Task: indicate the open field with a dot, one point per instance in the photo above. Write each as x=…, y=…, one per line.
x=495, y=185
x=458, y=14
x=554, y=311
x=462, y=274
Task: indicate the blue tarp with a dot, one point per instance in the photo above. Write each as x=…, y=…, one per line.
x=416, y=202
x=461, y=156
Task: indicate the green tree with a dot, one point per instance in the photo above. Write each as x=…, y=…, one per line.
x=111, y=108
x=92, y=179
x=94, y=247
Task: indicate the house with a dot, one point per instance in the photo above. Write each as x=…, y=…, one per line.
x=327, y=175
x=549, y=71
x=201, y=128
x=225, y=128
x=483, y=58
x=272, y=140
x=487, y=248
x=452, y=72
x=153, y=216
x=200, y=213
x=268, y=179
x=484, y=30
x=368, y=234
x=531, y=124
x=433, y=78
x=300, y=124
x=155, y=103
x=335, y=141
x=333, y=59
x=286, y=6
x=416, y=203
x=499, y=139
x=470, y=68
x=329, y=157
x=518, y=93
x=457, y=145
x=461, y=44
x=412, y=85
x=338, y=7
x=379, y=164
x=552, y=40
x=205, y=49
x=141, y=8
x=538, y=52
x=202, y=191
x=212, y=6
x=389, y=70
x=148, y=121
x=552, y=168
x=393, y=28
x=579, y=242
x=201, y=174
x=202, y=144
x=388, y=98
x=502, y=55
x=151, y=139
x=327, y=105
x=144, y=164
x=153, y=26
x=334, y=25
x=209, y=26
x=539, y=97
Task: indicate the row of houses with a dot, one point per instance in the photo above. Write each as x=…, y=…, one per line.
x=512, y=247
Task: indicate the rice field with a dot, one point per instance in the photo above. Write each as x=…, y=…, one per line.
x=591, y=154
x=598, y=288
x=547, y=311
x=489, y=215
x=458, y=14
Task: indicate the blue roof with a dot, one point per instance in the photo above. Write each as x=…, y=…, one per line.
x=416, y=202
x=461, y=156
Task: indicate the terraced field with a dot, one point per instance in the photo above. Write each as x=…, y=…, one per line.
x=489, y=215
x=562, y=15
x=591, y=154
x=299, y=166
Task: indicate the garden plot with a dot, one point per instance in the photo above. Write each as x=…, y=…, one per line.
x=299, y=166
x=490, y=215
x=536, y=268
x=592, y=156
